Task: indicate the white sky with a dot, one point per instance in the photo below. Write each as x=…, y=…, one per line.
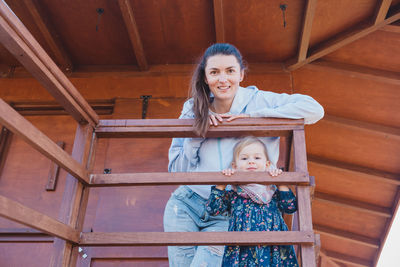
x=391, y=250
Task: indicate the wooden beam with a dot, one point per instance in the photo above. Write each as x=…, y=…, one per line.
x=347, y=236
x=195, y=238
x=183, y=128
x=303, y=197
x=54, y=172
x=74, y=201
x=47, y=30
x=376, y=175
x=133, y=32
x=341, y=40
x=306, y=30
x=381, y=11
x=30, y=134
x=347, y=259
x=5, y=142
x=194, y=178
x=391, y=28
x=361, y=72
x=353, y=204
x=328, y=262
x=19, y=213
x=219, y=21
x=17, y=39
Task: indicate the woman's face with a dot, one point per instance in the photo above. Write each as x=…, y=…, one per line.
x=223, y=75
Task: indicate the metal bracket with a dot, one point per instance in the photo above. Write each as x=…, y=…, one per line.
x=145, y=104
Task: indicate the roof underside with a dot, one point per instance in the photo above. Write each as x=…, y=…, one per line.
x=357, y=38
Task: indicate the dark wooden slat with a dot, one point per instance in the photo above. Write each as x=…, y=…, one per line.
x=53, y=172
x=341, y=40
x=195, y=238
x=353, y=204
x=133, y=32
x=194, y=178
x=49, y=34
x=306, y=30
x=219, y=21
x=24, y=129
x=5, y=141
x=303, y=196
x=74, y=200
x=348, y=236
x=347, y=259
x=183, y=128
x=382, y=10
x=19, y=213
x=17, y=39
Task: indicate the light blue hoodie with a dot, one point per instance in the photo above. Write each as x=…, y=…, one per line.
x=215, y=154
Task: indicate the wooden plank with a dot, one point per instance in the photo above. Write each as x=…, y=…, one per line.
x=19, y=213
x=328, y=262
x=368, y=173
x=74, y=200
x=382, y=10
x=133, y=32
x=306, y=30
x=53, y=172
x=183, y=128
x=52, y=38
x=195, y=238
x=357, y=71
x=353, y=204
x=194, y=178
x=17, y=39
x=303, y=196
x=348, y=236
x=391, y=28
x=347, y=259
x=341, y=40
x=24, y=129
x=219, y=21
x=5, y=142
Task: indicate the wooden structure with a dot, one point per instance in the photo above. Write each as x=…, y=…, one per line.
x=343, y=53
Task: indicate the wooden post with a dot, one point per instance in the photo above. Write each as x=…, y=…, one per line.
x=74, y=200
x=303, y=197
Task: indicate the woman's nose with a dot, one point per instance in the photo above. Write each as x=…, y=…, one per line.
x=222, y=78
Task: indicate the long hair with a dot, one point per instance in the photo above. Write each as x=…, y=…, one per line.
x=199, y=88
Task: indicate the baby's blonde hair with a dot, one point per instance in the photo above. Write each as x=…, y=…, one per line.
x=246, y=141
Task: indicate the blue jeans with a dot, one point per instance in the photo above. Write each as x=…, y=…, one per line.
x=185, y=212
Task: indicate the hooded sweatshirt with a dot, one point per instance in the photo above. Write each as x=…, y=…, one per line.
x=215, y=154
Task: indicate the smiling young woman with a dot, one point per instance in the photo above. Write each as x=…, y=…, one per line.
x=217, y=96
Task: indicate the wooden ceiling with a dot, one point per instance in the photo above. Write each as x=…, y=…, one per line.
x=344, y=53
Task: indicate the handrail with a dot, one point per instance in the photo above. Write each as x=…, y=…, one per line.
x=167, y=128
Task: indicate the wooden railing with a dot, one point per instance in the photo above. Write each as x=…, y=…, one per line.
x=68, y=227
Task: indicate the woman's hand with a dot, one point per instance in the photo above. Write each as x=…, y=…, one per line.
x=275, y=172
x=215, y=118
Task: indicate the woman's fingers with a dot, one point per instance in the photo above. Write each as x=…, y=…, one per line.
x=213, y=120
x=230, y=117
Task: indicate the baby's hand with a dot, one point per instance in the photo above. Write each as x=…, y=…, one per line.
x=228, y=172
x=275, y=172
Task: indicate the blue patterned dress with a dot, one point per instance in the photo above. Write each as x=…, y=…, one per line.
x=247, y=215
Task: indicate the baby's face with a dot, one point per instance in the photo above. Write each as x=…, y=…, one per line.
x=251, y=159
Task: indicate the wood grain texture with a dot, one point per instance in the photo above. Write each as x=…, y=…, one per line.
x=195, y=238
x=194, y=178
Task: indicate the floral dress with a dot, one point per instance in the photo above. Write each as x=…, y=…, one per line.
x=247, y=215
